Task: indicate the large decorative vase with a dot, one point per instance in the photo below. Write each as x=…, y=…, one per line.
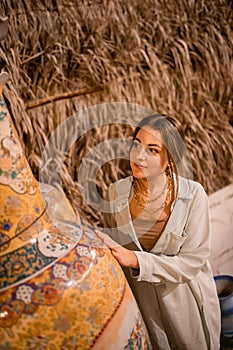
x=60, y=287
x=224, y=284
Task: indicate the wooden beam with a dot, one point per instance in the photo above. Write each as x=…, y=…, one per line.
x=62, y=96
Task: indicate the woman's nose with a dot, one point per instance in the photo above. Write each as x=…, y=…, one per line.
x=141, y=153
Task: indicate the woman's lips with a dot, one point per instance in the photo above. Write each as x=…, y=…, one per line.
x=139, y=166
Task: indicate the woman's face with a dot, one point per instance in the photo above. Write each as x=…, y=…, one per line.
x=148, y=155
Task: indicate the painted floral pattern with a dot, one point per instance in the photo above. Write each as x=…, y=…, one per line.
x=70, y=304
x=14, y=169
x=136, y=340
x=34, y=256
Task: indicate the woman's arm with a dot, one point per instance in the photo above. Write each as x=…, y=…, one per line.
x=192, y=256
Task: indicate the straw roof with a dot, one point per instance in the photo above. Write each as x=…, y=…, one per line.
x=171, y=56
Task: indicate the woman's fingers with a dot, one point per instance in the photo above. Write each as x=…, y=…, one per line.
x=107, y=240
x=124, y=256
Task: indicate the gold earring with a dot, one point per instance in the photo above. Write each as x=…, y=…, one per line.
x=168, y=170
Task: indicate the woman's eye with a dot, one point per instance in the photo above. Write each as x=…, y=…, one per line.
x=135, y=145
x=153, y=150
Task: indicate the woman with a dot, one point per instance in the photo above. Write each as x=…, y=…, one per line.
x=161, y=223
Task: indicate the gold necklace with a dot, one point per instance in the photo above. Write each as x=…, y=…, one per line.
x=140, y=196
x=163, y=205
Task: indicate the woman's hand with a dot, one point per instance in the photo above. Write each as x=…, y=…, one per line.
x=124, y=256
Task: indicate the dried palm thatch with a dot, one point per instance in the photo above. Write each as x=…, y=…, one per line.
x=171, y=56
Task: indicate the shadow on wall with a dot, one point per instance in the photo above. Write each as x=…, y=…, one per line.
x=221, y=211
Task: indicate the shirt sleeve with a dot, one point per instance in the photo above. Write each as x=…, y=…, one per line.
x=194, y=252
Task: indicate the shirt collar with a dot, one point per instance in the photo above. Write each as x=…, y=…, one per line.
x=185, y=188
x=123, y=188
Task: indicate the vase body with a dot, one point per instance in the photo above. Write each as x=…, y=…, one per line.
x=79, y=301
x=224, y=284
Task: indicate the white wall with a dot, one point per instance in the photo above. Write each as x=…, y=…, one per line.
x=221, y=211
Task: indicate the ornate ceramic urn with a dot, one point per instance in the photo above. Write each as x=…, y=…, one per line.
x=60, y=287
x=224, y=285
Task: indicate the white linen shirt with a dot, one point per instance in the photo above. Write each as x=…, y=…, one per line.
x=174, y=285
